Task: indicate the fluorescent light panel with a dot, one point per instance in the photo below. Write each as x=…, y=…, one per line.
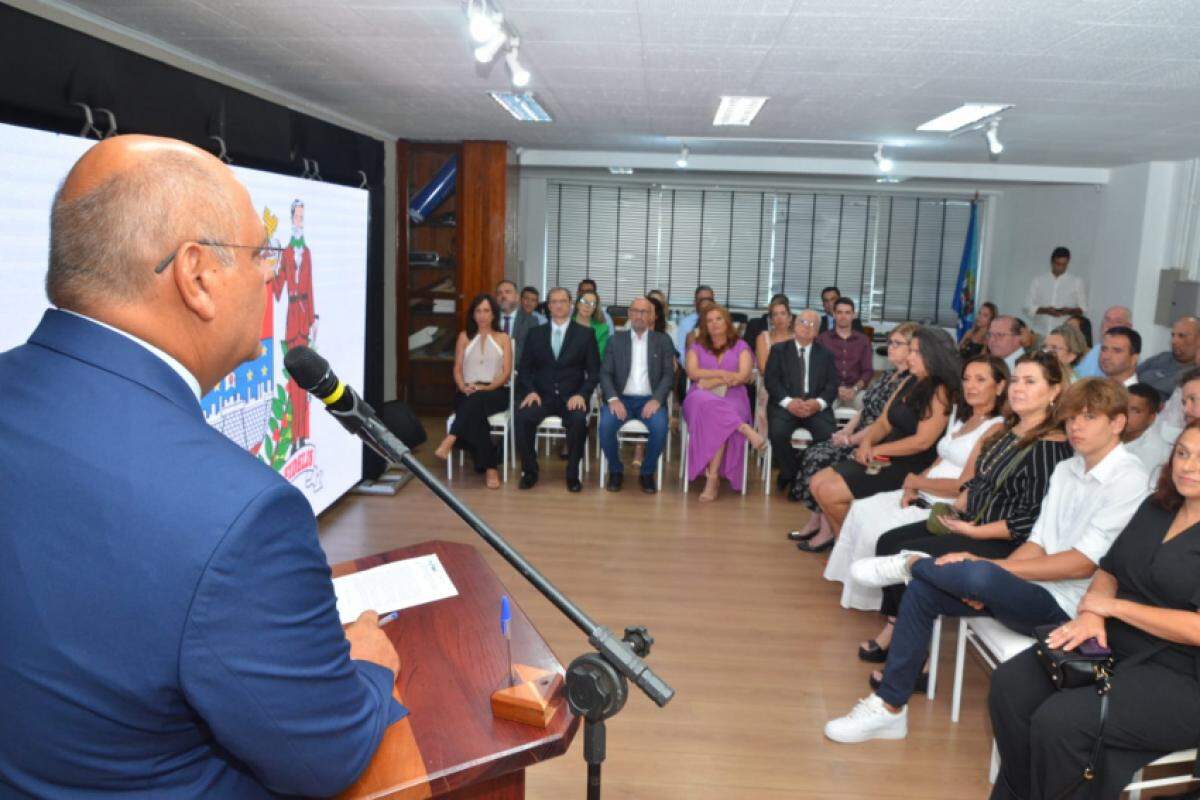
x=738, y=109
x=964, y=115
x=522, y=106
x=621, y=170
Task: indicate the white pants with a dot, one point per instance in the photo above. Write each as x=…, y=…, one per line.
x=869, y=519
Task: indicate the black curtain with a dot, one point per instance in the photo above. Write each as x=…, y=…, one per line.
x=45, y=68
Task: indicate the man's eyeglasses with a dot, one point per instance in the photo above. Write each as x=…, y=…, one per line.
x=262, y=253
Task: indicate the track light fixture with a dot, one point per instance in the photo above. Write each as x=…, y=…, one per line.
x=484, y=21
x=992, y=135
x=884, y=163
x=519, y=75
x=682, y=161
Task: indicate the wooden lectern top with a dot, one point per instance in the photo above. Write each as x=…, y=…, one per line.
x=452, y=657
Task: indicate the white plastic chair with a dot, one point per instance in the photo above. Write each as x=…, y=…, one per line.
x=501, y=424
x=1179, y=757
x=632, y=431
x=683, y=450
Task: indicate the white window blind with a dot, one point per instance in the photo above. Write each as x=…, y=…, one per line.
x=896, y=256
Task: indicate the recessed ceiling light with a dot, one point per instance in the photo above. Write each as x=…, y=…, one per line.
x=964, y=115
x=738, y=109
x=621, y=170
x=522, y=106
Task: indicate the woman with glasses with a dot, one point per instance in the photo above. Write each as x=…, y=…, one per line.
x=840, y=447
x=589, y=313
x=1067, y=345
x=482, y=366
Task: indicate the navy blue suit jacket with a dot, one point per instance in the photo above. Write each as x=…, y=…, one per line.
x=167, y=621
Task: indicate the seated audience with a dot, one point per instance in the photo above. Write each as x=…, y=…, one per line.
x=902, y=440
x=1119, y=351
x=974, y=342
x=559, y=368
x=763, y=322
x=589, y=285
x=1001, y=499
x=587, y=313
x=662, y=319
x=483, y=362
x=1091, y=498
x=717, y=407
x=1066, y=344
x=703, y=294
x=1181, y=408
x=1004, y=340
x=985, y=382
x=1162, y=371
x=530, y=302
x=779, y=329
x=515, y=321
x=1031, y=340
x=851, y=351
x=801, y=382
x=1083, y=325
x=1140, y=437
x=1114, y=317
x=842, y=444
x=1141, y=604
x=830, y=296
x=636, y=377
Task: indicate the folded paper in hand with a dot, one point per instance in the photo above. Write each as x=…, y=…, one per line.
x=393, y=586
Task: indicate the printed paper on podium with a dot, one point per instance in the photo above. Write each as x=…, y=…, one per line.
x=393, y=586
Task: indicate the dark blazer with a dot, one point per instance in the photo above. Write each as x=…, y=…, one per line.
x=169, y=627
x=522, y=324
x=783, y=377
x=827, y=324
x=660, y=364
x=575, y=371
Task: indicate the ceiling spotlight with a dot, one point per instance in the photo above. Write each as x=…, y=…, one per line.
x=884, y=163
x=520, y=75
x=994, y=145
x=682, y=161
x=484, y=22
x=487, y=51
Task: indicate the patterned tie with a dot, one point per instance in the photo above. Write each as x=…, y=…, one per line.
x=507, y=317
x=556, y=341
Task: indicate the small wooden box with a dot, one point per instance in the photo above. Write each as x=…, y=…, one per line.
x=534, y=701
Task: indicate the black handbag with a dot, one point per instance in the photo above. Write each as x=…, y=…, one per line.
x=1070, y=669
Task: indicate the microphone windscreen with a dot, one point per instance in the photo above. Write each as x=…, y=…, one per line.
x=401, y=421
x=306, y=367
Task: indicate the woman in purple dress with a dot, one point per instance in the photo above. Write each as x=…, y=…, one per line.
x=717, y=407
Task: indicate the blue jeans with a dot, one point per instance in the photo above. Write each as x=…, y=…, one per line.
x=609, y=425
x=939, y=591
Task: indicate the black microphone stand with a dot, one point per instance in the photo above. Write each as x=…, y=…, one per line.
x=597, y=682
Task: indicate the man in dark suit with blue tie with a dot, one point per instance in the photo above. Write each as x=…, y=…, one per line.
x=559, y=369
x=169, y=625
x=801, y=380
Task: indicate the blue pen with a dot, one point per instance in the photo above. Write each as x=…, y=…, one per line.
x=506, y=632
x=386, y=618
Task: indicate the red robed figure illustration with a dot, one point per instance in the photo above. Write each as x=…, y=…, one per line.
x=295, y=273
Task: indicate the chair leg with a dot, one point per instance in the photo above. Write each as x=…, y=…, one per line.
x=1136, y=794
x=683, y=463
x=660, y=472
x=935, y=648
x=960, y=656
x=766, y=471
x=994, y=768
x=504, y=445
x=745, y=467
x=450, y=468
x=602, y=470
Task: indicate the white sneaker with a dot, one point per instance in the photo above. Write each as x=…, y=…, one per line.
x=881, y=571
x=870, y=719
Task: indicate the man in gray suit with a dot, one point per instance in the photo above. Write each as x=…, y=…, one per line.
x=636, y=376
x=513, y=319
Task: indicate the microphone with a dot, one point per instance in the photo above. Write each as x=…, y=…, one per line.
x=313, y=374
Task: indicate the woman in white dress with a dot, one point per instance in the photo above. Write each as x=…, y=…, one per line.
x=985, y=380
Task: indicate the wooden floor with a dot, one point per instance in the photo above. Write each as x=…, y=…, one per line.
x=748, y=632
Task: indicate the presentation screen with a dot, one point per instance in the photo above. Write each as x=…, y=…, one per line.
x=317, y=298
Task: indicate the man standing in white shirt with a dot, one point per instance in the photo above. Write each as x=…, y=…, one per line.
x=1092, y=497
x=1004, y=340
x=1057, y=295
x=1119, y=353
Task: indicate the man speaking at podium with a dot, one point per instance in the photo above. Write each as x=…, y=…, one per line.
x=168, y=623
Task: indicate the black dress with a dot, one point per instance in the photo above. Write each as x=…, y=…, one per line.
x=904, y=419
x=1046, y=737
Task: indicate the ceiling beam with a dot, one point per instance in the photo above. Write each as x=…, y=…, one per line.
x=864, y=167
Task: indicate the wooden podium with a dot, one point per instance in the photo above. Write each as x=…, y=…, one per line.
x=452, y=658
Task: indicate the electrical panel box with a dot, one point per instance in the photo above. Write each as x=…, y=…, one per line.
x=1176, y=297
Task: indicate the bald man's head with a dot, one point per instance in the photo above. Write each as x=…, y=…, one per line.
x=126, y=204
